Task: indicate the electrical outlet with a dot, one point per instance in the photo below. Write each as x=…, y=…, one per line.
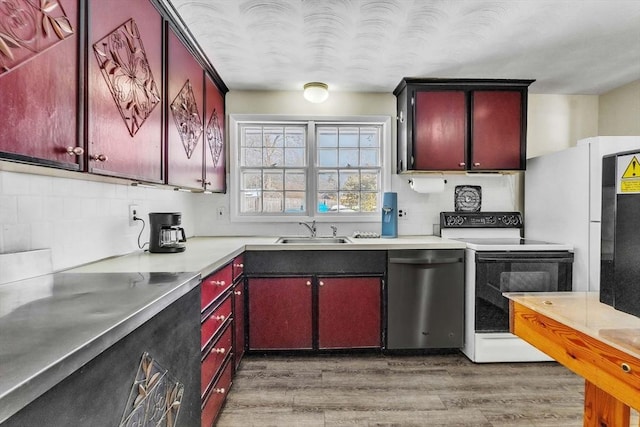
x=220, y=212
x=133, y=212
x=402, y=214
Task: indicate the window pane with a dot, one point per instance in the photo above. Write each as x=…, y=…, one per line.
x=295, y=180
x=273, y=180
x=349, y=180
x=369, y=202
x=349, y=201
x=273, y=136
x=327, y=157
x=370, y=180
x=327, y=136
x=369, y=137
x=251, y=157
x=273, y=157
x=252, y=137
x=294, y=202
x=251, y=180
x=272, y=202
x=348, y=157
x=250, y=202
x=326, y=200
x=295, y=136
x=294, y=157
x=349, y=137
x=328, y=181
x=369, y=157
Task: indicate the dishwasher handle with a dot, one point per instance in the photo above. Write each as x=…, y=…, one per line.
x=425, y=261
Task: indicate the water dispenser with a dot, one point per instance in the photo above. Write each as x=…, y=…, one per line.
x=389, y=215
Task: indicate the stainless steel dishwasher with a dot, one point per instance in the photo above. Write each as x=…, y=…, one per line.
x=425, y=298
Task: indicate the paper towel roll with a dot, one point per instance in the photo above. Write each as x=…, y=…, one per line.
x=427, y=184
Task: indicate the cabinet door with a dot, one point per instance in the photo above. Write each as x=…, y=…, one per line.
x=214, y=137
x=349, y=312
x=497, y=140
x=185, y=129
x=40, y=88
x=439, y=130
x=280, y=313
x=238, y=320
x=124, y=89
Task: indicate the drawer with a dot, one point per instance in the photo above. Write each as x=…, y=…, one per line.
x=214, y=358
x=238, y=267
x=215, y=284
x=214, y=401
x=214, y=321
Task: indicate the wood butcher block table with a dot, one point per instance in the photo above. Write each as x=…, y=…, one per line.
x=593, y=340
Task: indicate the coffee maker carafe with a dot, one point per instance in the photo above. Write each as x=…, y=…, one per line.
x=165, y=234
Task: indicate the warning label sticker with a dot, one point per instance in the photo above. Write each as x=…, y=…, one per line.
x=630, y=179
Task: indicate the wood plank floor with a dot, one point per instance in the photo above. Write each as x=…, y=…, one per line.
x=382, y=390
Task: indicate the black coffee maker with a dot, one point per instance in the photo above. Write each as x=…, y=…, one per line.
x=165, y=235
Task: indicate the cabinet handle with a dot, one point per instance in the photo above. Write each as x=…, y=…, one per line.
x=461, y=164
x=476, y=164
x=99, y=157
x=321, y=283
x=221, y=317
x=237, y=292
x=308, y=283
x=625, y=367
x=75, y=151
x=239, y=265
x=217, y=282
x=203, y=181
x=218, y=350
x=219, y=390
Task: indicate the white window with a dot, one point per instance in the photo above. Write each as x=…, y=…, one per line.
x=308, y=168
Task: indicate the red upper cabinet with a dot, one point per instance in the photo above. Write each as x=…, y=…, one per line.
x=124, y=115
x=214, y=138
x=39, y=84
x=440, y=130
x=185, y=116
x=462, y=124
x=497, y=130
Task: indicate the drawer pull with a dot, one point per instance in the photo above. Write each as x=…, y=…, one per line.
x=625, y=367
x=238, y=265
x=308, y=283
x=219, y=390
x=321, y=283
x=217, y=282
x=237, y=292
x=219, y=350
x=221, y=317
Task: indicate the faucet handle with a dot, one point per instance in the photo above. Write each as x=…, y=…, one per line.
x=334, y=229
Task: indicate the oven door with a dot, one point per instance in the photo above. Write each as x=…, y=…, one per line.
x=498, y=272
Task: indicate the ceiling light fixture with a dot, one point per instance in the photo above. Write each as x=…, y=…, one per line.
x=316, y=92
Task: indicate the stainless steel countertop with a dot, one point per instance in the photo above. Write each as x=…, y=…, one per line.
x=52, y=325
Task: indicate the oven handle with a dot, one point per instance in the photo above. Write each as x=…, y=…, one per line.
x=524, y=259
x=425, y=261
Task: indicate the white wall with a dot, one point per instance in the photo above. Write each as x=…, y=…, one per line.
x=81, y=221
x=619, y=113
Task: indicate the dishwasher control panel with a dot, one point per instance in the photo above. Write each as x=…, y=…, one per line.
x=481, y=220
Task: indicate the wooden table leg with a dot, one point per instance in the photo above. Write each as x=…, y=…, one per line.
x=603, y=410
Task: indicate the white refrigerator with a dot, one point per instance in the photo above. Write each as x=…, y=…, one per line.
x=562, y=201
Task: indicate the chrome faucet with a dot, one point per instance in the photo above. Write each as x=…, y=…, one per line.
x=312, y=227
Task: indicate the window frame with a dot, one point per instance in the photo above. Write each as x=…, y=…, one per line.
x=237, y=120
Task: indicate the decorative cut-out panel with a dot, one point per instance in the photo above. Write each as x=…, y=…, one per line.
x=28, y=27
x=214, y=137
x=187, y=118
x=124, y=66
x=155, y=397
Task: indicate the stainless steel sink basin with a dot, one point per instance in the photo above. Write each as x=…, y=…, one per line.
x=313, y=240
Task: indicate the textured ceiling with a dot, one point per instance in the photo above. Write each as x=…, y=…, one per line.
x=568, y=46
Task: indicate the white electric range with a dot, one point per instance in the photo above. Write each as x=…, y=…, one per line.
x=497, y=260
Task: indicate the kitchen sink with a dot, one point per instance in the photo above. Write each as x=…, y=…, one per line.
x=313, y=240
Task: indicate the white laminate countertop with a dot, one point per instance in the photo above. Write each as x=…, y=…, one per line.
x=206, y=254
